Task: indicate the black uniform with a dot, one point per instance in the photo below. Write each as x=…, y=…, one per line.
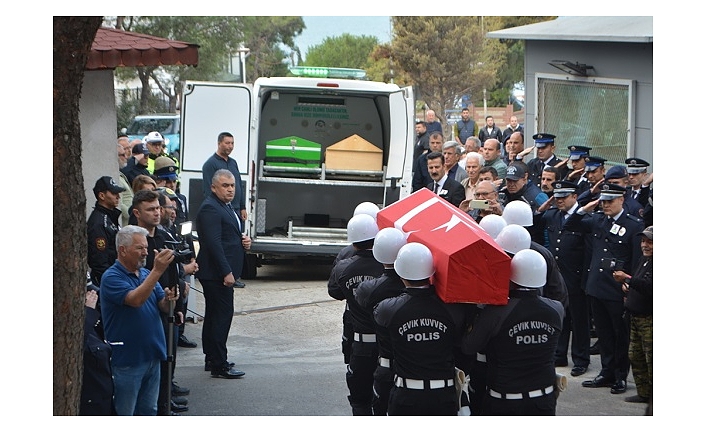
x=97, y=388
x=423, y=334
x=609, y=240
x=342, y=284
x=570, y=253
x=519, y=340
x=368, y=295
x=102, y=228
x=347, y=336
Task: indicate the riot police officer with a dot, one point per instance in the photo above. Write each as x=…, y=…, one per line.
x=520, y=339
x=423, y=333
x=343, y=282
x=369, y=293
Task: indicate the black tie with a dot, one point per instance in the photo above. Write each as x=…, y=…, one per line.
x=436, y=187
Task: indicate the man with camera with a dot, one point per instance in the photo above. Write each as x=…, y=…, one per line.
x=614, y=239
x=485, y=201
x=148, y=212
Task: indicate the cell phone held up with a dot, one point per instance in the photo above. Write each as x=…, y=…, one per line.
x=612, y=264
x=479, y=204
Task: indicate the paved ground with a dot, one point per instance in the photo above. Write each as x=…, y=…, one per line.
x=286, y=337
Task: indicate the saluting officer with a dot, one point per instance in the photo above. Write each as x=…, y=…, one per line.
x=569, y=250
x=387, y=244
x=615, y=244
x=520, y=339
x=576, y=164
x=544, y=143
x=343, y=282
x=423, y=333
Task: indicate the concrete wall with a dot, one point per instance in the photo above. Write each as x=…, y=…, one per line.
x=615, y=60
x=98, y=131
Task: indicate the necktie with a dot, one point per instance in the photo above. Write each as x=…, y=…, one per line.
x=436, y=187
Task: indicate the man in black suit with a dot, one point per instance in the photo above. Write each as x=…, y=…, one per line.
x=441, y=184
x=614, y=239
x=220, y=260
x=573, y=259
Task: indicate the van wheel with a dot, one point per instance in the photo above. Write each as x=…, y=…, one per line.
x=250, y=267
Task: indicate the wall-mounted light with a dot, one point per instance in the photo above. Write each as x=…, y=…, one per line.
x=577, y=69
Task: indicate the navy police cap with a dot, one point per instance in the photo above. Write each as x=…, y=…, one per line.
x=635, y=165
x=577, y=151
x=593, y=163
x=612, y=191
x=541, y=140
x=563, y=188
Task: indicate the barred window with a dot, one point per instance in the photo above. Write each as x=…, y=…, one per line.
x=587, y=111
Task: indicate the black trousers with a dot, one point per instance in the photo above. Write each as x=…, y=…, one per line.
x=218, y=316
x=423, y=402
x=359, y=377
x=613, y=335
x=577, y=328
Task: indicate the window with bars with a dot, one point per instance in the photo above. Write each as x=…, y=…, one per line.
x=595, y=113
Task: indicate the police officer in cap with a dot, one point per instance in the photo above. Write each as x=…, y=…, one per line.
x=343, y=282
x=576, y=164
x=619, y=175
x=520, y=339
x=594, y=171
x=423, y=333
x=639, y=180
x=572, y=258
x=614, y=242
x=544, y=143
x=102, y=227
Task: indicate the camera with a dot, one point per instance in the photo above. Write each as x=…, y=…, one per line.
x=612, y=264
x=481, y=204
x=181, y=251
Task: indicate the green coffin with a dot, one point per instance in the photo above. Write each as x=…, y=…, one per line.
x=293, y=151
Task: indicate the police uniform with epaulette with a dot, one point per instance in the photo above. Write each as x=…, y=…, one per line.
x=570, y=252
x=612, y=242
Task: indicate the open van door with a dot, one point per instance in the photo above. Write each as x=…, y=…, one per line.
x=399, y=164
x=207, y=109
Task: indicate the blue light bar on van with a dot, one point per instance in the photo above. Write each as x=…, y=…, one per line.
x=327, y=72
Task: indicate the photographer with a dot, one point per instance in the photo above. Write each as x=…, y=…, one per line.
x=486, y=191
x=147, y=211
x=169, y=202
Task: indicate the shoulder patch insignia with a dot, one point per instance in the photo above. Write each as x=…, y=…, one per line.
x=100, y=244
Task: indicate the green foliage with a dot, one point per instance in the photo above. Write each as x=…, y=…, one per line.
x=219, y=38
x=342, y=51
x=445, y=57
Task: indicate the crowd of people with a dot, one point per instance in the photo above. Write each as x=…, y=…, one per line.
x=579, y=235
x=141, y=264
x=592, y=221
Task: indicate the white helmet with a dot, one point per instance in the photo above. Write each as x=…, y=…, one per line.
x=414, y=262
x=528, y=269
x=388, y=243
x=362, y=227
x=367, y=208
x=492, y=224
x=518, y=212
x=513, y=238
x=153, y=137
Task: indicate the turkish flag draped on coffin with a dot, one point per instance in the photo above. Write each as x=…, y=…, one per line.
x=470, y=266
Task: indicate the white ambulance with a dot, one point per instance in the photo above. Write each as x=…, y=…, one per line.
x=309, y=149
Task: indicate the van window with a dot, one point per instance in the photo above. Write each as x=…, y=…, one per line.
x=165, y=126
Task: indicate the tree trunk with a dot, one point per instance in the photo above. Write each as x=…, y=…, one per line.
x=72, y=43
